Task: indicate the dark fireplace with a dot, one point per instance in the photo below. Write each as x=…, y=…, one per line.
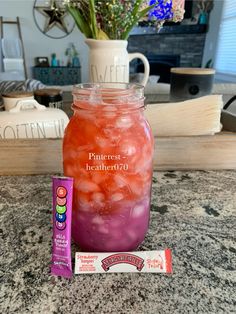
x=159, y=65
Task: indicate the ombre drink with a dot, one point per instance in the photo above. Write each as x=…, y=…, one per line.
x=108, y=150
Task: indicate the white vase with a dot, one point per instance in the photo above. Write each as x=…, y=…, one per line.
x=109, y=61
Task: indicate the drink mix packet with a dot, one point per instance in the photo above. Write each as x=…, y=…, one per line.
x=62, y=190
x=124, y=262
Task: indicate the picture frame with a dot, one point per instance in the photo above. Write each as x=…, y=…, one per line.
x=41, y=62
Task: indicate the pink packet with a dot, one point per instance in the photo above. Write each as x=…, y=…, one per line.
x=62, y=190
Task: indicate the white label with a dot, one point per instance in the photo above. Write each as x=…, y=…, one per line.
x=135, y=262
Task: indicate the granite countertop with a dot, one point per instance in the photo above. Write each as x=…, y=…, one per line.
x=193, y=213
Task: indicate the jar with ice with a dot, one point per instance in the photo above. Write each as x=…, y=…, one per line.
x=108, y=150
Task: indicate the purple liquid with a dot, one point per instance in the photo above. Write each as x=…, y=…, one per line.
x=123, y=230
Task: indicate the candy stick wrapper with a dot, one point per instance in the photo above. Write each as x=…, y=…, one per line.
x=62, y=189
x=124, y=262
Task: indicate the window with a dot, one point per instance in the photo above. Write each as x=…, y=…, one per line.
x=225, y=63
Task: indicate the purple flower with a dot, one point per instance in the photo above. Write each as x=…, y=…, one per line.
x=162, y=11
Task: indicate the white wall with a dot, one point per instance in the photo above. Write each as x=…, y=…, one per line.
x=212, y=34
x=36, y=44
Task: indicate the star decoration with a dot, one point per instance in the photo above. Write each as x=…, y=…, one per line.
x=54, y=16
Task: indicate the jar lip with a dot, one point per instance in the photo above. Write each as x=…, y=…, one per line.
x=109, y=89
x=100, y=96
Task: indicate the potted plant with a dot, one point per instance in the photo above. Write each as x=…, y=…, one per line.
x=113, y=19
x=107, y=25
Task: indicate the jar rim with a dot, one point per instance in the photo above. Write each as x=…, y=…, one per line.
x=92, y=96
x=109, y=89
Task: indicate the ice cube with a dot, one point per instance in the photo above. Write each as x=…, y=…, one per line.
x=111, y=133
x=117, y=197
x=82, y=198
x=138, y=211
x=124, y=122
x=95, y=96
x=136, y=187
x=98, y=197
x=87, y=186
x=131, y=234
x=102, y=142
x=129, y=147
x=98, y=220
x=117, y=222
x=144, y=163
x=103, y=229
x=120, y=180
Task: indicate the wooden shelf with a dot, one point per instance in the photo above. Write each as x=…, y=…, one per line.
x=44, y=156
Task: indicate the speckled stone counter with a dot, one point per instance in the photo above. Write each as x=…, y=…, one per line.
x=193, y=213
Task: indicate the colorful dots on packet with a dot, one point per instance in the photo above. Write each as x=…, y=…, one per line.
x=60, y=209
x=62, y=191
x=61, y=201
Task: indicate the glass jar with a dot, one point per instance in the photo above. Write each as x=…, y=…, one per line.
x=49, y=97
x=108, y=150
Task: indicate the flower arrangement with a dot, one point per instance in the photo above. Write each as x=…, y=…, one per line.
x=114, y=19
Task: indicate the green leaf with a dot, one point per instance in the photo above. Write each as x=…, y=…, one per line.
x=93, y=20
x=136, y=7
x=137, y=16
x=81, y=23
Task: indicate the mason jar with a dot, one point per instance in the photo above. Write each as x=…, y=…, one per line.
x=108, y=150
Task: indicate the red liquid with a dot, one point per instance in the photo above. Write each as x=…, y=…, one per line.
x=108, y=151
